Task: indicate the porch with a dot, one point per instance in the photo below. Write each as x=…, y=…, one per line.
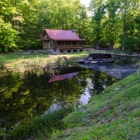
x=68, y=45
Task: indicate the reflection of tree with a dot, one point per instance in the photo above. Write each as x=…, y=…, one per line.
x=22, y=97
x=30, y=94
x=100, y=82
x=68, y=91
x=125, y=61
x=8, y=98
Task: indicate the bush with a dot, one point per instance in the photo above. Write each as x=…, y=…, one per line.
x=48, y=124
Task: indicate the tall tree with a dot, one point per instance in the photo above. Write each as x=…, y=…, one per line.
x=98, y=10
x=8, y=37
x=111, y=22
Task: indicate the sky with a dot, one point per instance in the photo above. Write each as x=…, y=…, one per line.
x=86, y=2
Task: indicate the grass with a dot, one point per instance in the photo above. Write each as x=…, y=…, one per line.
x=20, y=61
x=114, y=115
x=46, y=126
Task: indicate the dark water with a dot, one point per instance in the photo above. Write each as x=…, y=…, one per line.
x=23, y=96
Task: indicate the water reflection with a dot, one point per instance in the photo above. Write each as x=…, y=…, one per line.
x=85, y=97
x=127, y=62
x=121, y=68
x=23, y=96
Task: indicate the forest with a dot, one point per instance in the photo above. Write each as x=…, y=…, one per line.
x=105, y=22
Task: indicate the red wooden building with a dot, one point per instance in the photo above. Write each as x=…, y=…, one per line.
x=62, y=40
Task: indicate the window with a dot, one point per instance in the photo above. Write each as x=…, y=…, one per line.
x=60, y=43
x=46, y=36
x=67, y=43
x=74, y=43
x=81, y=42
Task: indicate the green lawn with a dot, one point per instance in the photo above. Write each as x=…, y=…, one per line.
x=18, y=60
x=114, y=115
x=14, y=58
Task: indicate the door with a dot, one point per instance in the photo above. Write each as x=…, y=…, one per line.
x=51, y=44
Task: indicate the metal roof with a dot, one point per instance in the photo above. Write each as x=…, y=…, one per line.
x=63, y=35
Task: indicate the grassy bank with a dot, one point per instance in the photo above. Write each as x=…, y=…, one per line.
x=20, y=61
x=114, y=115
x=43, y=127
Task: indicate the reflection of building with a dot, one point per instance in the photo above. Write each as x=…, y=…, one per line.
x=62, y=40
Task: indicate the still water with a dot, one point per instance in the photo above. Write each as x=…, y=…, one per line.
x=23, y=96
x=121, y=68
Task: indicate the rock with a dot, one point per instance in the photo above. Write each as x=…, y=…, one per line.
x=94, y=62
x=81, y=60
x=102, y=67
x=99, y=55
x=90, y=58
x=116, y=88
x=87, y=62
x=97, y=58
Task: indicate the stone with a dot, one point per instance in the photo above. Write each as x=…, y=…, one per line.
x=99, y=55
x=116, y=88
x=97, y=58
x=90, y=58
x=94, y=62
x=81, y=60
x=87, y=62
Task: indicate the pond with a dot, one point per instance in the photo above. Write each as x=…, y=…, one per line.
x=121, y=68
x=29, y=94
x=23, y=96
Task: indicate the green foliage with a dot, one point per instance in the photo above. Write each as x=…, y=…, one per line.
x=107, y=22
x=28, y=18
x=8, y=37
x=47, y=125
x=112, y=115
x=115, y=23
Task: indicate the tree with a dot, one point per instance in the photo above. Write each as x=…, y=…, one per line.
x=111, y=25
x=128, y=8
x=98, y=10
x=8, y=37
